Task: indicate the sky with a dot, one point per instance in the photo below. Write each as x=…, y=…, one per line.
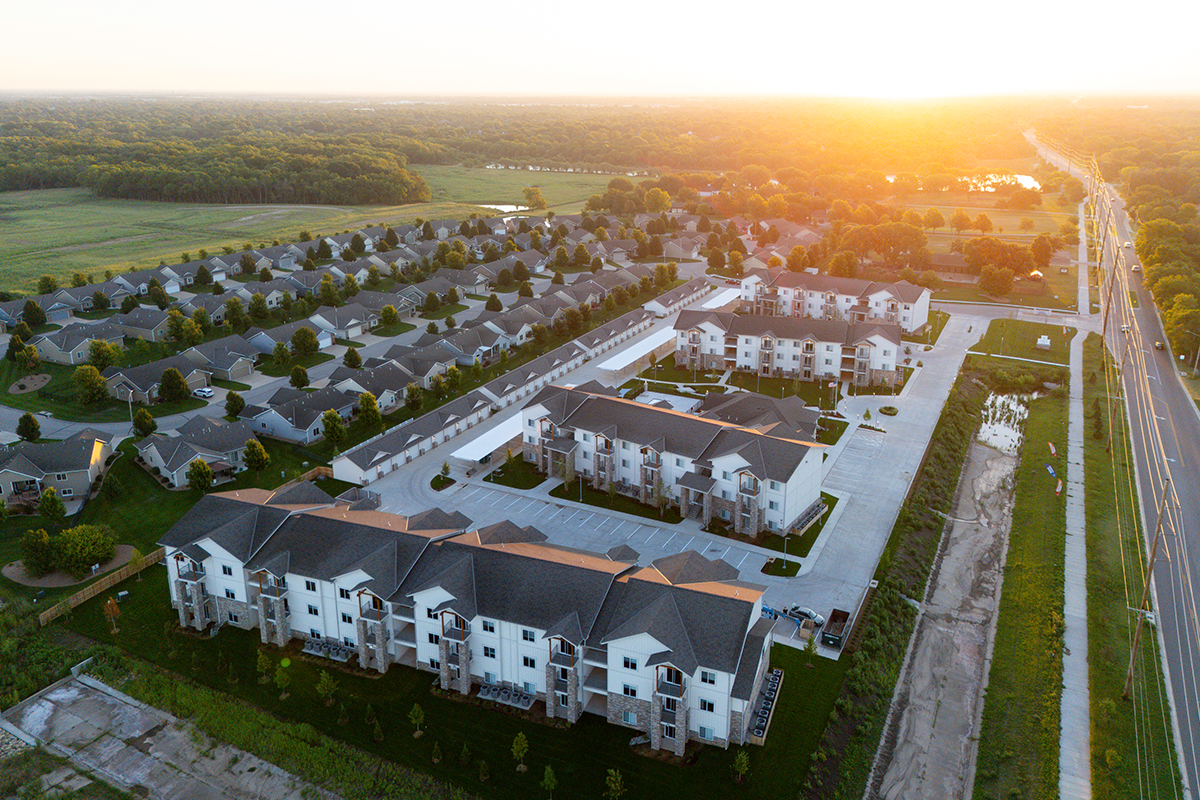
x=866, y=48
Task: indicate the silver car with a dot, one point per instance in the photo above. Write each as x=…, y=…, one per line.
x=808, y=613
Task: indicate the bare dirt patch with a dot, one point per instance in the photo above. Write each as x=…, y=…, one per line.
x=30, y=383
x=56, y=580
x=929, y=747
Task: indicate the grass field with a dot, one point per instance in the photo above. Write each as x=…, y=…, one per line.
x=60, y=231
x=62, y=385
x=1116, y=559
x=1019, y=732
x=579, y=754
x=1018, y=339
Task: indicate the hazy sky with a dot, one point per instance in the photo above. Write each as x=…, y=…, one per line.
x=754, y=47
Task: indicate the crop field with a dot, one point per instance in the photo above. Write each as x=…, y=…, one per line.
x=60, y=231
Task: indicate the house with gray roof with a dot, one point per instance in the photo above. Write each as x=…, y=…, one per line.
x=752, y=478
x=230, y=358
x=668, y=303
x=782, y=292
x=143, y=322
x=345, y=322
x=295, y=416
x=264, y=339
x=72, y=467
x=676, y=649
x=71, y=344
x=142, y=383
x=217, y=442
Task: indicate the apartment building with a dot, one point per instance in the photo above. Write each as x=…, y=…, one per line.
x=707, y=467
x=793, y=347
x=676, y=649
x=780, y=292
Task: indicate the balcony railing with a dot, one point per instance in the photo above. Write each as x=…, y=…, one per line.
x=745, y=489
x=374, y=615
x=669, y=689
x=457, y=634
x=191, y=574
x=561, y=659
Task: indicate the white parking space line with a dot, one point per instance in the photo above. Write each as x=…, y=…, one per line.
x=585, y=519
x=743, y=558
x=474, y=490
x=689, y=541
x=668, y=541
x=514, y=502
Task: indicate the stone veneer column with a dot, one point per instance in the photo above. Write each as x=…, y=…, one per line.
x=198, y=610
x=263, y=622
x=464, y=668
x=737, y=728
x=551, y=700
x=444, y=664
x=596, y=470
x=655, y=723
x=737, y=514
x=181, y=595
x=283, y=629
x=643, y=492
x=573, y=709
x=383, y=655
x=707, y=513
x=364, y=650
x=681, y=726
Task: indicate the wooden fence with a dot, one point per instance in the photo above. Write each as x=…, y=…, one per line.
x=107, y=582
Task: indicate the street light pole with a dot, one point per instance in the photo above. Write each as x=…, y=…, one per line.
x=1137, y=632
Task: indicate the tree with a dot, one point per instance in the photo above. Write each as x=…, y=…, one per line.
x=282, y=680
x=995, y=281
x=983, y=223
x=33, y=315
x=203, y=276
x=368, y=411
x=450, y=323
x=158, y=295
x=933, y=219
x=51, y=505
x=413, y=399
x=959, y=221
x=137, y=562
x=15, y=345
x=282, y=354
x=484, y=772
x=1041, y=250
x=258, y=306
x=352, y=359
x=100, y=301
x=657, y=201
x=453, y=379
x=735, y=263
x=844, y=264
x=549, y=782
x=432, y=327
x=112, y=612
x=614, y=785
x=234, y=404
x=327, y=291
x=263, y=666
x=520, y=747
x=202, y=321
x=172, y=387
x=525, y=290
x=78, y=279
x=129, y=304
x=88, y=383
x=437, y=385
x=143, y=423
x=533, y=197
x=1026, y=224
x=741, y=765
x=493, y=303
x=417, y=717
x=28, y=359
x=28, y=428
x=334, y=427
x=299, y=377
x=388, y=315
x=47, y=285
x=326, y=687
x=200, y=475
x=256, y=456
x=304, y=342
x=810, y=649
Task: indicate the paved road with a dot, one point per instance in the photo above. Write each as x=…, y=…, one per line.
x=1165, y=429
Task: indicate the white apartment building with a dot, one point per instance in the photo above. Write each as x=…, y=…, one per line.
x=706, y=467
x=677, y=649
x=808, y=349
x=780, y=292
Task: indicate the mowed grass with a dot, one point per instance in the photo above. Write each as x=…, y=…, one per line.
x=60, y=231
x=1017, y=338
x=1116, y=560
x=1019, y=733
x=580, y=754
x=64, y=405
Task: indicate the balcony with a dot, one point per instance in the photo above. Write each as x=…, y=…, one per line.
x=597, y=681
x=604, y=448
x=373, y=615
x=667, y=689
x=596, y=656
x=750, y=490
x=192, y=573
x=561, y=659
x=273, y=591
x=456, y=634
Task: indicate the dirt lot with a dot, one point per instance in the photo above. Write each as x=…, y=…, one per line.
x=929, y=747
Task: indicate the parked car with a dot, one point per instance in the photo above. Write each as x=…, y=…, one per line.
x=203, y=391
x=44, y=414
x=808, y=613
x=1129, y=245
x=1158, y=345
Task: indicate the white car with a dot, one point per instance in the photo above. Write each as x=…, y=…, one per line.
x=1129, y=245
x=808, y=613
x=203, y=391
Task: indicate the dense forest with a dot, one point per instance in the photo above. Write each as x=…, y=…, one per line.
x=1152, y=154
x=261, y=151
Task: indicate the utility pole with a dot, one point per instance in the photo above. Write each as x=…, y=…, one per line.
x=1112, y=418
x=1137, y=632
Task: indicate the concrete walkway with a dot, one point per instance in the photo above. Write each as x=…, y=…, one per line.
x=1074, y=757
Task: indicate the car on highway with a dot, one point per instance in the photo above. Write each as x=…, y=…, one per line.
x=1158, y=345
x=1129, y=245
x=807, y=613
x=1137, y=267
x=1124, y=329
x=203, y=391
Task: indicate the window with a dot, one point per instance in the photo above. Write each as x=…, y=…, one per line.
x=68, y=492
x=828, y=362
x=587, y=454
x=562, y=698
x=707, y=705
x=489, y=626
x=629, y=717
x=630, y=691
x=434, y=664
x=314, y=633
x=226, y=569
x=724, y=494
x=725, y=475
x=489, y=652
x=530, y=688
x=587, y=437
x=229, y=593
x=527, y=635
x=624, y=445
x=346, y=618
x=624, y=462
x=429, y=614
x=313, y=610
x=668, y=731
x=346, y=640
x=233, y=617
x=528, y=661
x=887, y=353
x=344, y=594
x=771, y=504
x=774, y=486
x=434, y=638
x=706, y=733
x=61, y=476
x=679, y=462
x=531, y=423
x=489, y=677
x=630, y=663
x=708, y=677
x=310, y=586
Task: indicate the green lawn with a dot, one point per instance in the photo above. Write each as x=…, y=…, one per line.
x=1116, y=559
x=831, y=430
x=347, y=343
x=233, y=386
x=393, y=330
x=1017, y=338
x=269, y=367
x=970, y=294
x=781, y=568
x=937, y=323
x=517, y=474
x=618, y=502
x=63, y=405
x=579, y=754
x=1019, y=733
x=799, y=546
x=444, y=311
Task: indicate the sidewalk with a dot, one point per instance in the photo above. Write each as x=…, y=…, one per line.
x=1074, y=757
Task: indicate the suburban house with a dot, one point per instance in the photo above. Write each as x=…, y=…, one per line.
x=142, y=383
x=83, y=298
x=864, y=354
x=73, y=467
x=377, y=301
x=213, y=304
x=138, y=282
x=295, y=416
x=229, y=358
x=56, y=310
x=272, y=291
x=709, y=468
x=423, y=362
x=345, y=322
x=218, y=443
x=143, y=322
x=264, y=339
x=785, y=293
x=675, y=650
x=386, y=381
x=71, y=344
